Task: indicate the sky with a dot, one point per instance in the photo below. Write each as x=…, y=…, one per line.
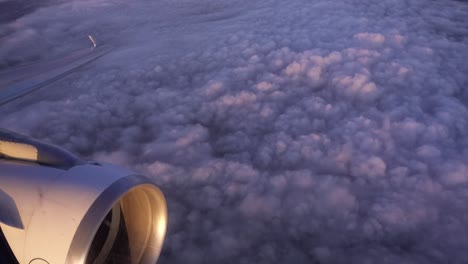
x=293, y=131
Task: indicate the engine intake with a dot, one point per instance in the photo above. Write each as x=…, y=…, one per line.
x=86, y=214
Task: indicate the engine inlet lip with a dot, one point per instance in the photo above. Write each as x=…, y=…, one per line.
x=97, y=212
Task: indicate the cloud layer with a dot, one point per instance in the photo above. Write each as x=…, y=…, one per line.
x=281, y=132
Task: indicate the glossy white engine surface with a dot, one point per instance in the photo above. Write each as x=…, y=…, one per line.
x=61, y=210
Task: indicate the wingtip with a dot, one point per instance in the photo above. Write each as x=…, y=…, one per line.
x=92, y=41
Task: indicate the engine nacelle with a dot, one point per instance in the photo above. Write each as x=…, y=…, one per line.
x=82, y=213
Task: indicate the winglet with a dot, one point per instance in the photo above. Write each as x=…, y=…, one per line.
x=92, y=40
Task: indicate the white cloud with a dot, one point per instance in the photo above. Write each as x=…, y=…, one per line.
x=281, y=132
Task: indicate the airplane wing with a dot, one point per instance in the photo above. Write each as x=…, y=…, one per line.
x=25, y=79
x=85, y=211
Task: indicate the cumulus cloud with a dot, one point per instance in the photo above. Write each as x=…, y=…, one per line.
x=281, y=132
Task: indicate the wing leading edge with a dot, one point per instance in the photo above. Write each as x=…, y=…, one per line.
x=26, y=79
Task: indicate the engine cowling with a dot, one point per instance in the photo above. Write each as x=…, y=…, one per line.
x=81, y=213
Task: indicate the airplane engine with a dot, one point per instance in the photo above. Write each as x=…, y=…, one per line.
x=56, y=208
